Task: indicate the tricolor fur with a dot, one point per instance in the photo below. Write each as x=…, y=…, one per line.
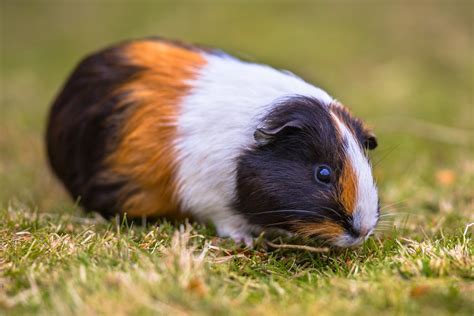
x=158, y=128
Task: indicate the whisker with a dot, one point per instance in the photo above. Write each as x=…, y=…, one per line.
x=388, y=214
x=280, y=223
x=395, y=208
x=339, y=215
x=400, y=214
x=312, y=213
x=283, y=211
x=392, y=204
x=384, y=156
x=385, y=225
x=386, y=221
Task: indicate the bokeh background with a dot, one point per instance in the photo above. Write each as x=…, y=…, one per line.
x=405, y=67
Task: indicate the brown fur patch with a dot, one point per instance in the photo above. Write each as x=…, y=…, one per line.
x=145, y=155
x=347, y=183
x=361, y=131
x=348, y=178
x=345, y=116
x=326, y=230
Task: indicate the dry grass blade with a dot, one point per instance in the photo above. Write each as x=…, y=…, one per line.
x=298, y=247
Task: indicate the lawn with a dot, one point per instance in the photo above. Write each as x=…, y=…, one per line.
x=407, y=69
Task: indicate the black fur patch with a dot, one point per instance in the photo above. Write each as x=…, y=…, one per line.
x=280, y=175
x=80, y=132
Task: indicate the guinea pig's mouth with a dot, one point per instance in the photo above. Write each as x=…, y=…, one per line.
x=332, y=234
x=347, y=241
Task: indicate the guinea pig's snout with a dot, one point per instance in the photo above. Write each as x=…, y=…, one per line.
x=353, y=237
x=362, y=225
x=359, y=233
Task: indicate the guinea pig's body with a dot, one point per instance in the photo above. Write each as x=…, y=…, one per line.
x=158, y=128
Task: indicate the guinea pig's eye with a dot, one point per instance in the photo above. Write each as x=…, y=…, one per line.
x=324, y=174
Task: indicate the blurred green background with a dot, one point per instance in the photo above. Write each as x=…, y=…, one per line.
x=406, y=67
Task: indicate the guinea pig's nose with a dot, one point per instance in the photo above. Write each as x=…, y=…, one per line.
x=357, y=233
x=354, y=233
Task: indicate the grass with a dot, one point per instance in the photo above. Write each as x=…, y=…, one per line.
x=406, y=69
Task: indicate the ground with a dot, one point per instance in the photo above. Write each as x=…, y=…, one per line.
x=406, y=69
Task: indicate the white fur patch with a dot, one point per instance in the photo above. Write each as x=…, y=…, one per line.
x=365, y=213
x=217, y=121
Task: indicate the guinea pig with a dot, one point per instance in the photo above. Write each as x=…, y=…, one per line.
x=159, y=128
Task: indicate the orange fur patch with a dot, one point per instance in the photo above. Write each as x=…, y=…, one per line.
x=347, y=183
x=145, y=155
x=348, y=178
x=325, y=229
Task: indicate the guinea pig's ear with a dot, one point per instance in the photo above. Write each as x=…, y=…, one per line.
x=267, y=133
x=370, y=140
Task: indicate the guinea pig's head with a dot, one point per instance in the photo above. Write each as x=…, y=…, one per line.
x=309, y=173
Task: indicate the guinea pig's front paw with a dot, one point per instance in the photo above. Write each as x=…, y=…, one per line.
x=239, y=235
x=242, y=238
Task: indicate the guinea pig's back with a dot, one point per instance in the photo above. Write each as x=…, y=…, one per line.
x=112, y=128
